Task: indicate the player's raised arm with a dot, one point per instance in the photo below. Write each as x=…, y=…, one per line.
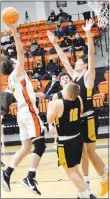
x=90, y=75
x=19, y=69
x=60, y=53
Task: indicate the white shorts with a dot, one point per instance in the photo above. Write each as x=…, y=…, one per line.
x=30, y=125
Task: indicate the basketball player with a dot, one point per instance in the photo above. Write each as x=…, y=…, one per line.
x=64, y=78
x=66, y=113
x=84, y=75
x=31, y=127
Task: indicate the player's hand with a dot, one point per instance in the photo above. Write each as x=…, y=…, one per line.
x=52, y=130
x=12, y=29
x=87, y=27
x=51, y=37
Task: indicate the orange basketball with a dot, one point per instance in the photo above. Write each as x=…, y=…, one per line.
x=10, y=15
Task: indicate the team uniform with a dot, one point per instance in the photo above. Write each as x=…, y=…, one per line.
x=89, y=127
x=28, y=119
x=69, y=138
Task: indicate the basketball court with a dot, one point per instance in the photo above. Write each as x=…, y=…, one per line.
x=52, y=180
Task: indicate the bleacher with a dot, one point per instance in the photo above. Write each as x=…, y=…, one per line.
x=38, y=31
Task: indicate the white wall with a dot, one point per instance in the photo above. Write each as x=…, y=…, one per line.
x=35, y=12
x=72, y=8
x=47, y=9
x=22, y=7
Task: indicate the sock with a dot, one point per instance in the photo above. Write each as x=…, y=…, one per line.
x=86, y=178
x=9, y=171
x=84, y=194
x=104, y=178
x=32, y=173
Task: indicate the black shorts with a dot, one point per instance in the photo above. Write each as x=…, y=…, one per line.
x=89, y=128
x=70, y=152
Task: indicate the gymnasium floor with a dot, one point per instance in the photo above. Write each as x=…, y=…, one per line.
x=53, y=182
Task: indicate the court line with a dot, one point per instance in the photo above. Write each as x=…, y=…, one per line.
x=49, y=150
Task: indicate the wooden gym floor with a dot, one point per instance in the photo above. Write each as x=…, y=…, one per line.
x=53, y=182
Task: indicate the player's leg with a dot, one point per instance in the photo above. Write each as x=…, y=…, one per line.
x=85, y=165
x=29, y=181
x=17, y=158
x=75, y=177
x=99, y=166
x=89, y=135
x=69, y=159
x=39, y=148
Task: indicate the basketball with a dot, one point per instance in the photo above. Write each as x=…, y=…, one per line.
x=10, y=15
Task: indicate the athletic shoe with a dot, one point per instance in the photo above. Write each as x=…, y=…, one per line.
x=2, y=164
x=30, y=183
x=91, y=197
x=104, y=188
x=5, y=181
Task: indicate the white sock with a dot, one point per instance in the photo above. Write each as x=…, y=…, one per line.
x=104, y=178
x=86, y=178
x=12, y=166
x=32, y=169
x=85, y=194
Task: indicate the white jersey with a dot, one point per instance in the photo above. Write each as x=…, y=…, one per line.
x=29, y=121
x=22, y=90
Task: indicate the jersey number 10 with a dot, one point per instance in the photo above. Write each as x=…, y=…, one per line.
x=73, y=115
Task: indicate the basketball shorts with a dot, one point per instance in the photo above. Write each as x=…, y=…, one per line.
x=70, y=151
x=89, y=128
x=30, y=125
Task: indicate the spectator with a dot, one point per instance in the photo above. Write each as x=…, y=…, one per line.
x=51, y=88
x=7, y=98
x=63, y=16
x=34, y=49
x=87, y=15
x=59, y=31
x=51, y=68
x=71, y=29
x=66, y=44
x=5, y=42
x=52, y=17
x=79, y=44
x=38, y=71
x=12, y=50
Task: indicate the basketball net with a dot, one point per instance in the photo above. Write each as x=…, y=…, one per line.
x=101, y=9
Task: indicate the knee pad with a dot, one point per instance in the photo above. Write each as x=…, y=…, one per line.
x=39, y=146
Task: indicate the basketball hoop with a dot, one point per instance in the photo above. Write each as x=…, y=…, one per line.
x=102, y=11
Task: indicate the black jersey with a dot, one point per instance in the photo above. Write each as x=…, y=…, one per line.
x=86, y=94
x=69, y=123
